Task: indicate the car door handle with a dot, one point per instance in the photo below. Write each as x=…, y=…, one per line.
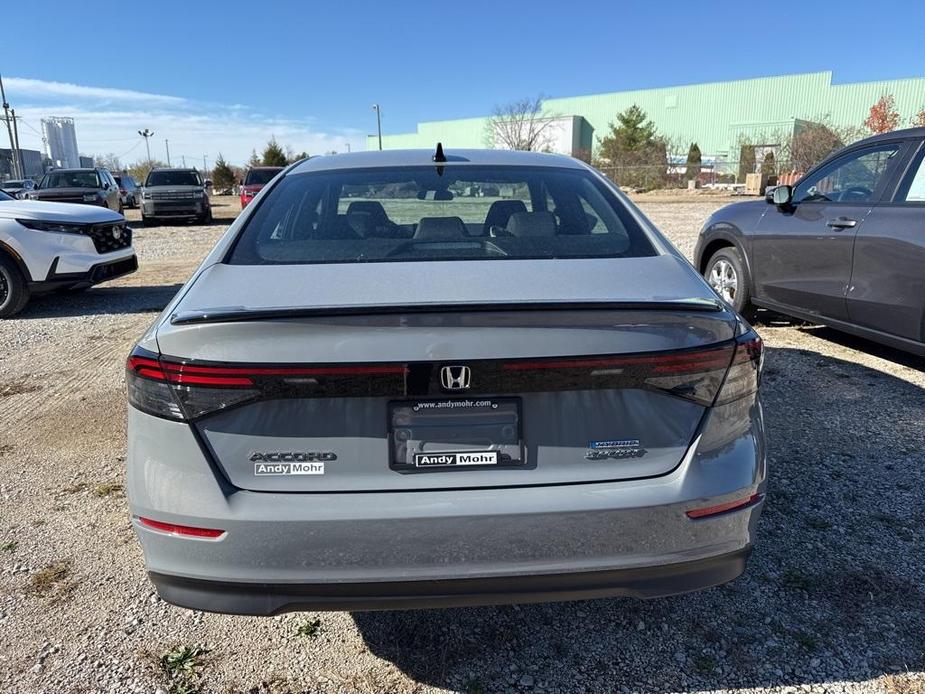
x=842, y=223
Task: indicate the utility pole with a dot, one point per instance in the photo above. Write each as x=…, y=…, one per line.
x=146, y=134
x=347, y=145
x=205, y=169
x=167, y=145
x=378, y=124
x=183, y=157
x=22, y=164
x=6, y=116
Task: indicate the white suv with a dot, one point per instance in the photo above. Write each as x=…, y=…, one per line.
x=46, y=246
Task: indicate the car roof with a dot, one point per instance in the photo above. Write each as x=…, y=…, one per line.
x=258, y=168
x=892, y=135
x=173, y=168
x=424, y=157
x=79, y=168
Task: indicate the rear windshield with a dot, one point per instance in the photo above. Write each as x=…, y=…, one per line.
x=173, y=178
x=420, y=213
x=71, y=179
x=260, y=177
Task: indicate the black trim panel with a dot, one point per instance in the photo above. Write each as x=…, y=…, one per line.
x=268, y=599
x=101, y=272
x=233, y=315
x=894, y=341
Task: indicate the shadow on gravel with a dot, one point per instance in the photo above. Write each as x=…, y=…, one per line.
x=100, y=301
x=835, y=591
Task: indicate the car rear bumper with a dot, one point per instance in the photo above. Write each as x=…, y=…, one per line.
x=274, y=598
x=368, y=550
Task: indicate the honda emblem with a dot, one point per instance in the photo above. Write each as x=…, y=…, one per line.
x=455, y=377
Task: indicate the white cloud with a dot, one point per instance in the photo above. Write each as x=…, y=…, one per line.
x=21, y=87
x=107, y=121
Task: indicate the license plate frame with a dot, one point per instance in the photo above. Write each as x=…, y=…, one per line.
x=500, y=419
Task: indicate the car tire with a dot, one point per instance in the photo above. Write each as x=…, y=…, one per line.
x=727, y=273
x=14, y=292
x=205, y=218
x=148, y=221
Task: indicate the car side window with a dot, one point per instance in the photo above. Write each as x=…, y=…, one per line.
x=913, y=187
x=852, y=178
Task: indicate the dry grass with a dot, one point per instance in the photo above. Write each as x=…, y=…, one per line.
x=53, y=581
x=905, y=683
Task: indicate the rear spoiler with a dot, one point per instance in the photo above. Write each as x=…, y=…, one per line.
x=237, y=314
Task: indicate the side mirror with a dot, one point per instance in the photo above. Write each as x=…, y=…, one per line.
x=782, y=197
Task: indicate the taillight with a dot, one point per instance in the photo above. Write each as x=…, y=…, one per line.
x=184, y=391
x=693, y=374
x=172, y=391
x=744, y=375
x=714, y=375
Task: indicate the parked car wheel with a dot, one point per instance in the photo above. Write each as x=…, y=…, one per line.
x=205, y=218
x=728, y=275
x=148, y=221
x=14, y=293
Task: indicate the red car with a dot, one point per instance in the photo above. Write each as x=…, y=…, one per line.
x=254, y=181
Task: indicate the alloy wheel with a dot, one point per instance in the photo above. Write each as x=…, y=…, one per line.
x=724, y=280
x=4, y=288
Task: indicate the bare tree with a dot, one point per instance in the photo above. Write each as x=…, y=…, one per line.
x=521, y=124
x=107, y=161
x=813, y=141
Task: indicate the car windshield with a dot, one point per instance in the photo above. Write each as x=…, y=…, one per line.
x=71, y=179
x=173, y=178
x=12, y=185
x=445, y=213
x=260, y=177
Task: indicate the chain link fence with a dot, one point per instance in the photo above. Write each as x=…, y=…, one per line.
x=722, y=174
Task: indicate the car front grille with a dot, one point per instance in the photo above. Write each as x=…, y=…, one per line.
x=188, y=195
x=110, y=237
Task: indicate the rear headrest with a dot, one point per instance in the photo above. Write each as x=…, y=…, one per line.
x=371, y=207
x=441, y=228
x=500, y=212
x=532, y=224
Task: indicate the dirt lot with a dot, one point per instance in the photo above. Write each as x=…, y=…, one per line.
x=833, y=600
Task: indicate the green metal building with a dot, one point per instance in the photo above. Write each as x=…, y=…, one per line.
x=716, y=115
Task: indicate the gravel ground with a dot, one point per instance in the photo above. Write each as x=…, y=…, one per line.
x=833, y=599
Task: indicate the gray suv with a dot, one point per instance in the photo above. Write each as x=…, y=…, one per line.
x=82, y=186
x=175, y=193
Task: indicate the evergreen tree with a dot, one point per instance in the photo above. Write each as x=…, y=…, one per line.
x=634, y=150
x=223, y=176
x=694, y=161
x=254, y=160
x=768, y=165
x=746, y=161
x=274, y=155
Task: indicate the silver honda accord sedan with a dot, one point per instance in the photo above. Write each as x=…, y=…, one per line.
x=424, y=379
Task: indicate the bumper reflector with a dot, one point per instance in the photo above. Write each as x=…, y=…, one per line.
x=723, y=508
x=184, y=530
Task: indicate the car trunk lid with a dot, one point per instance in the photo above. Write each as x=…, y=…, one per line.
x=353, y=394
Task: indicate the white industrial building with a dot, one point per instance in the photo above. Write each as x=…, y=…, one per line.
x=61, y=142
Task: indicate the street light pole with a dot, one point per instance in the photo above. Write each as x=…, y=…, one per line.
x=9, y=130
x=167, y=146
x=146, y=134
x=378, y=124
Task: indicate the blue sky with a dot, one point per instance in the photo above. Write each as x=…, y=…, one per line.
x=226, y=76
